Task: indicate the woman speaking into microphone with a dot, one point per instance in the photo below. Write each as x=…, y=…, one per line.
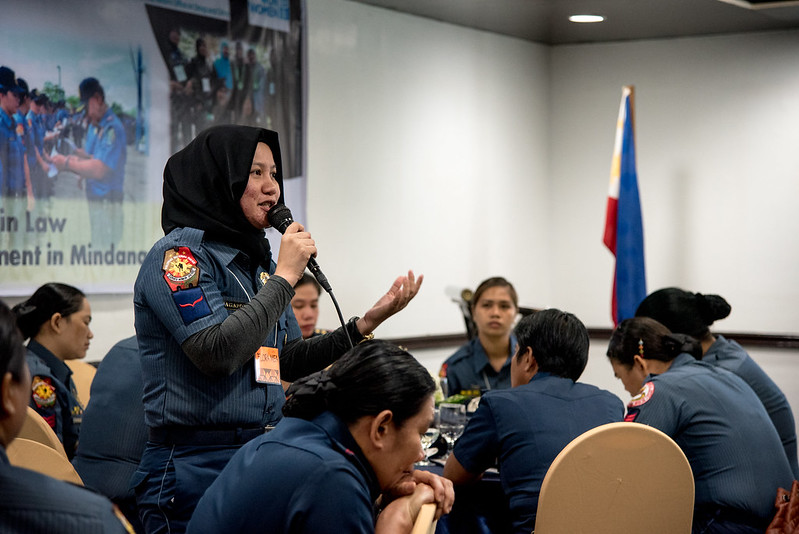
x=214, y=323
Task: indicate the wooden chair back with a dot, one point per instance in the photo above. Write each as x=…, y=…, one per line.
x=42, y=459
x=425, y=522
x=618, y=477
x=35, y=428
x=82, y=374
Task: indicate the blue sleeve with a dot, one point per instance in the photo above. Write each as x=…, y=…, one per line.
x=110, y=147
x=330, y=502
x=187, y=311
x=478, y=448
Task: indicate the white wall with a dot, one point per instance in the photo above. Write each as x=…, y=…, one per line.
x=717, y=125
x=428, y=150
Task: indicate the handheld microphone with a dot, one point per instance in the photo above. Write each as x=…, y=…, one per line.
x=280, y=218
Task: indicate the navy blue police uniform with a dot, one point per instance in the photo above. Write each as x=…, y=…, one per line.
x=525, y=428
x=469, y=369
x=735, y=453
x=210, y=281
x=109, y=454
x=197, y=422
x=32, y=503
x=177, y=395
x=12, y=154
x=54, y=396
x=730, y=355
x=299, y=477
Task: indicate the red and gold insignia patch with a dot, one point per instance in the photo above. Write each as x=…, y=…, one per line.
x=20, y=129
x=443, y=371
x=180, y=269
x=43, y=392
x=644, y=395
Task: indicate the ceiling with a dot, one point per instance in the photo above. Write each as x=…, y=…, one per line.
x=546, y=21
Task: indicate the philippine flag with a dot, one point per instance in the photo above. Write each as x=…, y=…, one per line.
x=624, y=232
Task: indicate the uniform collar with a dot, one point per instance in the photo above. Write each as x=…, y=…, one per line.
x=106, y=117
x=341, y=437
x=228, y=254
x=482, y=364
x=679, y=361
x=682, y=359
x=541, y=375
x=60, y=370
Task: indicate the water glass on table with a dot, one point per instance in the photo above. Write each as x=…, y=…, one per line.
x=428, y=438
x=452, y=421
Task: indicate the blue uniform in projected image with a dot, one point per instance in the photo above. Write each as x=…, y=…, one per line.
x=525, y=428
x=717, y=420
x=324, y=484
x=39, y=180
x=12, y=152
x=106, y=141
x=469, y=368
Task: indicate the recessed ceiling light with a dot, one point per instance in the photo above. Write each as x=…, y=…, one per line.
x=586, y=18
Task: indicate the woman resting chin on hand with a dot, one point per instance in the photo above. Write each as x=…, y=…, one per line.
x=350, y=436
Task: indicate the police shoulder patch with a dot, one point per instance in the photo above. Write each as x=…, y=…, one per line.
x=643, y=396
x=180, y=269
x=43, y=392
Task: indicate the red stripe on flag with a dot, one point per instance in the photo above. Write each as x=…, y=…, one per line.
x=610, y=224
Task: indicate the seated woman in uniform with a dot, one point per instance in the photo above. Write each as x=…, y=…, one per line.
x=305, y=305
x=342, y=458
x=30, y=501
x=688, y=313
x=483, y=363
x=56, y=319
x=717, y=420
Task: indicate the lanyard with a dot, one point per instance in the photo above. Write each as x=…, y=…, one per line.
x=248, y=296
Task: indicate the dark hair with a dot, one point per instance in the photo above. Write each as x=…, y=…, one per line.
x=12, y=351
x=496, y=281
x=371, y=377
x=87, y=89
x=684, y=312
x=197, y=44
x=308, y=278
x=49, y=299
x=559, y=341
x=650, y=339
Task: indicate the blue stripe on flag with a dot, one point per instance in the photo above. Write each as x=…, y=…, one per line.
x=630, y=269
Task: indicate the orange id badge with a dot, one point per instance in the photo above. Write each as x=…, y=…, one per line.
x=267, y=366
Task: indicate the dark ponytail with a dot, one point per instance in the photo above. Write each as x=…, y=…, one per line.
x=684, y=312
x=372, y=377
x=49, y=299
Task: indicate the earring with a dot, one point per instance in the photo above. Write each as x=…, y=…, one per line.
x=641, y=348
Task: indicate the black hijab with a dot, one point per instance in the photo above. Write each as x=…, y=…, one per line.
x=204, y=182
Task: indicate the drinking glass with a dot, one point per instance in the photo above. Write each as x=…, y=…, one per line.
x=428, y=438
x=452, y=420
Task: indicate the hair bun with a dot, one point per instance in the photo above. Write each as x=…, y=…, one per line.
x=676, y=344
x=712, y=307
